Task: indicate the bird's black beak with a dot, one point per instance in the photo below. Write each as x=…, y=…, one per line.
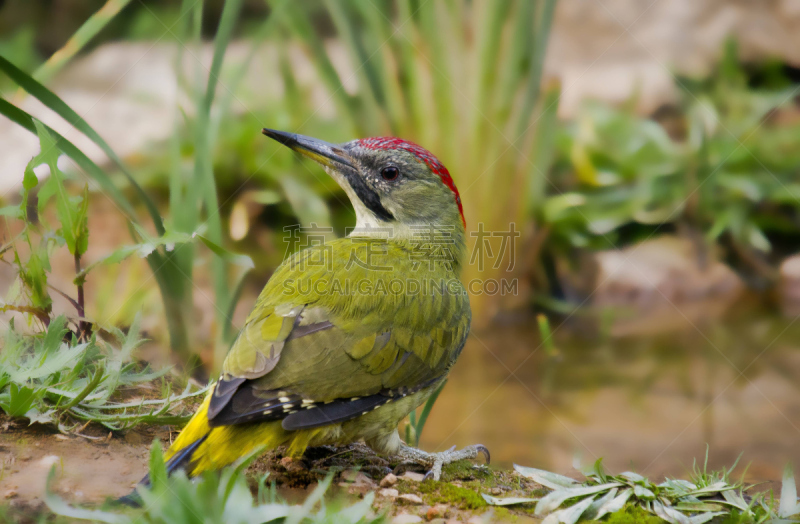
x=329, y=155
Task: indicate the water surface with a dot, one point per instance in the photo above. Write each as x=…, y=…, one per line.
x=649, y=401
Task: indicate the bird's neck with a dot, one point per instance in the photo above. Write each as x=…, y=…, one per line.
x=435, y=243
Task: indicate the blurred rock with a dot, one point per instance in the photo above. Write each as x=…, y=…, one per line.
x=413, y=476
x=657, y=285
x=128, y=92
x=388, y=493
x=411, y=498
x=437, y=511
x=617, y=49
x=406, y=518
x=357, y=482
x=789, y=286
x=389, y=480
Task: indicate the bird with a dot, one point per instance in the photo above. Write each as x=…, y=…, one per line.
x=339, y=348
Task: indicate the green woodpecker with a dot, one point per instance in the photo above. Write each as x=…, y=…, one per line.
x=347, y=338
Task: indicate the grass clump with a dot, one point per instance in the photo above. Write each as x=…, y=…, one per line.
x=52, y=377
x=67, y=370
x=216, y=498
x=630, y=497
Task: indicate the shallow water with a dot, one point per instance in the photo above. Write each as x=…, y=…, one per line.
x=650, y=401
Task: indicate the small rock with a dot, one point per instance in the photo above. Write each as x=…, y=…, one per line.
x=389, y=493
x=411, y=475
x=10, y=494
x=411, y=498
x=654, y=278
x=292, y=464
x=437, y=511
x=405, y=518
x=357, y=483
x=496, y=491
x=388, y=481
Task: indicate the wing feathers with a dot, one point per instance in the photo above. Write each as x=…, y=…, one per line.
x=251, y=405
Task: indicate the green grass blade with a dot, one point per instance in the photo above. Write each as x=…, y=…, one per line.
x=298, y=23
x=264, y=31
x=542, y=33
x=488, y=48
x=52, y=101
x=445, y=92
x=377, y=33
x=426, y=410
x=204, y=172
x=369, y=84
x=544, y=149
x=79, y=39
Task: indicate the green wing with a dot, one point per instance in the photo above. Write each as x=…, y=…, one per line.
x=321, y=351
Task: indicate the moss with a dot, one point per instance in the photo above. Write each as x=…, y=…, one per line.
x=505, y=515
x=631, y=514
x=465, y=470
x=445, y=493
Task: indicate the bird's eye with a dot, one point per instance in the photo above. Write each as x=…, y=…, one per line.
x=390, y=173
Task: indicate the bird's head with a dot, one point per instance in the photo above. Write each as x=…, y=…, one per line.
x=392, y=183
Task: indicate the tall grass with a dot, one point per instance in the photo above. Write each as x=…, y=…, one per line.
x=461, y=78
x=172, y=269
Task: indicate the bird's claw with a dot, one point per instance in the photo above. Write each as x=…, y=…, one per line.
x=436, y=461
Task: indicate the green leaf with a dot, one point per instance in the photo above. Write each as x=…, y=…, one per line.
x=20, y=400
x=643, y=493
x=33, y=275
x=158, y=469
x=545, y=478
x=698, y=506
x=144, y=249
x=506, y=501
x=93, y=25
x=613, y=505
x=553, y=500
x=71, y=212
x=29, y=180
x=234, y=258
x=593, y=512
x=12, y=211
x=572, y=514
x=426, y=410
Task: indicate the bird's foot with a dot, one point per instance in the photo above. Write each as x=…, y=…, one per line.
x=435, y=461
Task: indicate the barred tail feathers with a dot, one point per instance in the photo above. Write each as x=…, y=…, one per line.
x=200, y=447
